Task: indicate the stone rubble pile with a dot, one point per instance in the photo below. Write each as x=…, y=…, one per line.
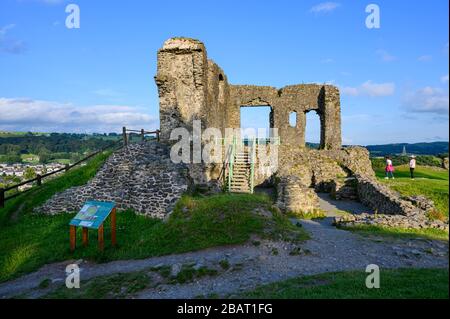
x=414, y=221
x=140, y=177
x=394, y=211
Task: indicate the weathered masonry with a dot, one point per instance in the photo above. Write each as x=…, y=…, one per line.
x=191, y=87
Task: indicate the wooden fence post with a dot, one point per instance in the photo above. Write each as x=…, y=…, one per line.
x=39, y=180
x=142, y=135
x=2, y=197
x=124, y=134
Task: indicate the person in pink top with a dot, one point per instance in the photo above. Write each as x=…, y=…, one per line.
x=412, y=165
x=389, y=168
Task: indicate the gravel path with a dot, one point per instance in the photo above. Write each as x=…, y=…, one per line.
x=329, y=249
x=332, y=206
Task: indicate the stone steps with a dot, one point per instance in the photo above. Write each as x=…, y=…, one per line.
x=241, y=173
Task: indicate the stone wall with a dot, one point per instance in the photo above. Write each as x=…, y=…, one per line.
x=382, y=199
x=191, y=87
x=445, y=163
x=140, y=177
x=415, y=221
x=292, y=197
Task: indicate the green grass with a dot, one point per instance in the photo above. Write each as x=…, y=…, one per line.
x=314, y=214
x=196, y=223
x=105, y=287
x=432, y=183
x=126, y=285
x=23, y=205
x=30, y=158
x=396, y=232
x=62, y=161
x=394, y=284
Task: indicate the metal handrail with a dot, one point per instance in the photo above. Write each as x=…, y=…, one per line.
x=231, y=165
x=252, y=165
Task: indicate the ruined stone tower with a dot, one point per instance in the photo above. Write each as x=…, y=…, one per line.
x=192, y=87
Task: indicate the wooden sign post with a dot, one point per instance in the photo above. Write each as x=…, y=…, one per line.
x=92, y=216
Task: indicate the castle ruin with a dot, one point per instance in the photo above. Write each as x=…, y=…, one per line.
x=192, y=87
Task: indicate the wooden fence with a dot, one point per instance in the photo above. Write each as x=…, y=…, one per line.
x=142, y=133
x=38, y=179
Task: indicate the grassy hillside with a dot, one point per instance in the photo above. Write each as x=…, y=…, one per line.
x=28, y=241
x=433, y=148
x=430, y=182
x=23, y=205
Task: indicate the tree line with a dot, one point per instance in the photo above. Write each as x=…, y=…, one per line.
x=52, y=146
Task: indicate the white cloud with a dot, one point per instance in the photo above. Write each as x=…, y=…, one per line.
x=4, y=30
x=325, y=7
x=348, y=90
x=385, y=56
x=425, y=58
x=10, y=45
x=370, y=88
x=37, y=115
x=444, y=78
x=427, y=100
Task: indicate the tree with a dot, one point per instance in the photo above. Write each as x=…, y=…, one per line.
x=12, y=158
x=29, y=173
x=44, y=157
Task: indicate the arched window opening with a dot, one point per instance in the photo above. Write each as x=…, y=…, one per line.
x=312, y=129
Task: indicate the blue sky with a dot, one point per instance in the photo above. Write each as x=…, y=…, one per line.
x=393, y=80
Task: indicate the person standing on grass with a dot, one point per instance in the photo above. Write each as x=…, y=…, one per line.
x=412, y=165
x=389, y=168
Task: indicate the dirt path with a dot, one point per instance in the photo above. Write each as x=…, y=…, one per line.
x=329, y=249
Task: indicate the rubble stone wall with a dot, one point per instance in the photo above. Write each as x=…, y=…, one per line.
x=382, y=199
x=140, y=177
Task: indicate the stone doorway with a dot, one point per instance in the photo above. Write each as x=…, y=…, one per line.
x=256, y=121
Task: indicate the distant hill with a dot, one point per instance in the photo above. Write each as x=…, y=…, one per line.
x=433, y=148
